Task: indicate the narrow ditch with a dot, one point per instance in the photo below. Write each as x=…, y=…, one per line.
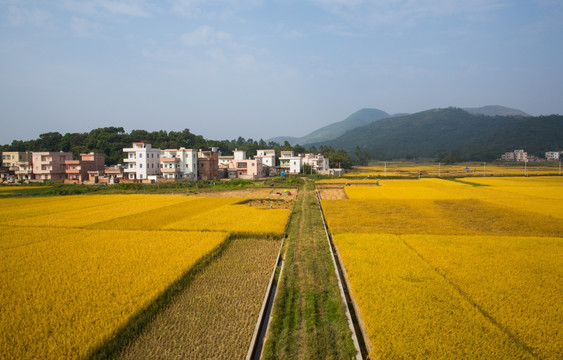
x=257, y=342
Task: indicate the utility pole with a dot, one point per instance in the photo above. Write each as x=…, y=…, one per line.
x=439, y=164
x=559, y=166
x=385, y=170
x=525, y=168
x=484, y=168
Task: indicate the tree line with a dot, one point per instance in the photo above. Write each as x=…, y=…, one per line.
x=111, y=141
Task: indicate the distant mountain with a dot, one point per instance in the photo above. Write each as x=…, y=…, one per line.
x=477, y=136
x=332, y=131
x=496, y=110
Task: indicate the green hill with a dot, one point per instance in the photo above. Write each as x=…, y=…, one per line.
x=476, y=137
x=359, y=118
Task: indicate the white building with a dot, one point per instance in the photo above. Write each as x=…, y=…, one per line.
x=268, y=157
x=224, y=161
x=552, y=155
x=508, y=156
x=520, y=155
x=239, y=155
x=318, y=162
x=291, y=163
x=141, y=161
x=179, y=164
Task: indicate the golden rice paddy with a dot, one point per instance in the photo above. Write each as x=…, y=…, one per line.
x=75, y=270
x=443, y=269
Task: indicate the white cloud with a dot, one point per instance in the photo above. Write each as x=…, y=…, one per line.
x=35, y=17
x=84, y=28
x=134, y=8
x=205, y=35
x=212, y=8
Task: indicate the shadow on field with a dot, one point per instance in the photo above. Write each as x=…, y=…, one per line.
x=138, y=322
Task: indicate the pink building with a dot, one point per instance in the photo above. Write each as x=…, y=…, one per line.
x=247, y=169
x=89, y=166
x=50, y=165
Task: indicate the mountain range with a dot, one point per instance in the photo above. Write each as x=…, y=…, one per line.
x=367, y=116
x=475, y=133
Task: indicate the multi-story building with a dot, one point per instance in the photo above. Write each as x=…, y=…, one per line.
x=89, y=166
x=247, y=168
x=142, y=161
x=113, y=174
x=224, y=161
x=552, y=155
x=520, y=155
x=179, y=164
x=239, y=155
x=508, y=156
x=19, y=162
x=291, y=163
x=50, y=165
x=268, y=157
x=317, y=162
x=10, y=159
x=207, y=165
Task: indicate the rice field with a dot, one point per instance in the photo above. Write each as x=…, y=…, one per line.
x=443, y=269
x=214, y=317
x=412, y=169
x=76, y=270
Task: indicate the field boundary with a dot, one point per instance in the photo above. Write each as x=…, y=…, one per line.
x=476, y=305
x=355, y=322
x=264, y=317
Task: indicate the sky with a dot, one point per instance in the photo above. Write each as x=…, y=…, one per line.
x=265, y=68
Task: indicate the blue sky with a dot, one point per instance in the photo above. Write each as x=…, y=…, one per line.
x=260, y=69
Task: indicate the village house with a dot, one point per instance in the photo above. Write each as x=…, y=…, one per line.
x=50, y=165
x=291, y=163
x=112, y=174
x=552, y=155
x=507, y=156
x=88, y=168
x=142, y=161
x=179, y=164
x=317, y=162
x=268, y=157
x=208, y=164
x=224, y=161
x=246, y=168
x=520, y=155
x=19, y=163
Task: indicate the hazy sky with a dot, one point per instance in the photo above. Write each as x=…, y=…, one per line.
x=259, y=69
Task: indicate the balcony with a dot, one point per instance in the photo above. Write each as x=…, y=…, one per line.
x=133, y=159
x=169, y=159
x=169, y=170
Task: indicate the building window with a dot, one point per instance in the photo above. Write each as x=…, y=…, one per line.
x=140, y=155
x=140, y=176
x=140, y=166
x=152, y=155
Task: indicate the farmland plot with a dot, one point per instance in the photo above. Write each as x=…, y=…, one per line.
x=76, y=271
x=448, y=268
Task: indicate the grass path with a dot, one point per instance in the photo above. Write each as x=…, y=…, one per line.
x=308, y=319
